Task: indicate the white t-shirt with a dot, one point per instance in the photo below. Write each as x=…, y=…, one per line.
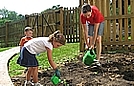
x=37, y=45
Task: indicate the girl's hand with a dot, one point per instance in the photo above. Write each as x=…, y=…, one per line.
x=87, y=46
x=92, y=46
x=37, y=54
x=57, y=73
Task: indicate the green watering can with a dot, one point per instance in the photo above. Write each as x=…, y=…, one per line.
x=55, y=80
x=89, y=57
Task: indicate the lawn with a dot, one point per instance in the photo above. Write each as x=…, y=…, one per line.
x=67, y=52
x=3, y=49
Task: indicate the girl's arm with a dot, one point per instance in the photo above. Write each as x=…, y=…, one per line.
x=84, y=26
x=49, y=55
x=96, y=26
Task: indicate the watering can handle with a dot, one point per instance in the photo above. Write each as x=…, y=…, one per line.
x=90, y=48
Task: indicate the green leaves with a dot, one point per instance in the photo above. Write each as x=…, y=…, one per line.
x=6, y=16
x=53, y=8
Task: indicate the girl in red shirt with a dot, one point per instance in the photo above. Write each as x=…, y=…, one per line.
x=92, y=17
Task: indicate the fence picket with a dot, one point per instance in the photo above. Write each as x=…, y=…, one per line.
x=118, y=25
x=132, y=24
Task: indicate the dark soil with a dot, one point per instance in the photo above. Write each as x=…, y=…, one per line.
x=115, y=70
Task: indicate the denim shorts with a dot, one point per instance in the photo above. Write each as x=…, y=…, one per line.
x=100, y=29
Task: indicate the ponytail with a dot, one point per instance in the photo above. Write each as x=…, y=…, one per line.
x=58, y=37
x=52, y=36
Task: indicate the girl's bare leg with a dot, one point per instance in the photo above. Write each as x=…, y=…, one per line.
x=28, y=75
x=35, y=74
x=99, y=47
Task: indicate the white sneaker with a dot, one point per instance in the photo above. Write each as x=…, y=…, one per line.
x=37, y=84
x=96, y=62
x=27, y=83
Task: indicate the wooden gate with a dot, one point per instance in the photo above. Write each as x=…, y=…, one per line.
x=44, y=23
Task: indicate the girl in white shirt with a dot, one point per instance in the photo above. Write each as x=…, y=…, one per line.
x=36, y=46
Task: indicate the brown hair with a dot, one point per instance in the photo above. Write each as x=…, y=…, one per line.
x=86, y=8
x=57, y=36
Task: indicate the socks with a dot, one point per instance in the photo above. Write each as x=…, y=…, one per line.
x=37, y=84
x=28, y=82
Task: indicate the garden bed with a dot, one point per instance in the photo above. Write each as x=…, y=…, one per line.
x=116, y=69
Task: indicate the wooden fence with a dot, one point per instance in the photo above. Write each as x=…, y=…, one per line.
x=119, y=23
x=3, y=37
x=66, y=20
x=118, y=31
x=71, y=24
x=10, y=33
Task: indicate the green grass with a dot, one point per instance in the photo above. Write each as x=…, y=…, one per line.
x=3, y=49
x=14, y=68
x=129, y=38
x=67, y=52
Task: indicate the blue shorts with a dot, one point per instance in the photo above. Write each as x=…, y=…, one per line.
x=27, y=59
x=100, y=29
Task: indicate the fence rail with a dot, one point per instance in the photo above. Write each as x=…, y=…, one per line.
x=118, y=31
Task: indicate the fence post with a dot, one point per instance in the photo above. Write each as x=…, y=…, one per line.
x=132, y=24
x=92, y=2
x=80, y=3
x=82, y=41
x=61, y=19
x=6, y=34
x=26, y=20
x=86, y=1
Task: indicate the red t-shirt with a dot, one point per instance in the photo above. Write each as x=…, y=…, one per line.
x=96, y=16
x=24, y=40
